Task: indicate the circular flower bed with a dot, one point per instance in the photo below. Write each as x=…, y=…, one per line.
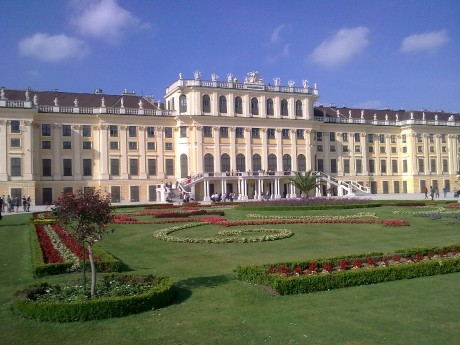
x=118, y=295
x=266, y=235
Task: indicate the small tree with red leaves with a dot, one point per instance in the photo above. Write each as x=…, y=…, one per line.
x=86, y=215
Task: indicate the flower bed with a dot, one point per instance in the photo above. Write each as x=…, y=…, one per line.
x=331, y=273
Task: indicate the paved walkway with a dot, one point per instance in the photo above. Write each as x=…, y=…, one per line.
x=398, y=196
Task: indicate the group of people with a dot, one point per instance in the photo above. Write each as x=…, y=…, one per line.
x=434, y=192
x=12, y=204
x=224, y=197
x=186, y=197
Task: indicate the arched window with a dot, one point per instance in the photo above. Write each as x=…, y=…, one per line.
x=223, y=104
x=224, y=163
x=208, y=163
x=256, y=162
x=254, y=106
x=301, y=163
x=272, y=166
x=240, y=162
x=284, y=107
x=238, y=105
x=270, y=107
x=298, y=108
x=206, y=104
x=286, y=162
x=182, y=103
x=183, y=165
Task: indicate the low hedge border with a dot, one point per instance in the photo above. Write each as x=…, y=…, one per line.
x=107, y=262
x=313, y=283
x=161, y=295
x=269, y=207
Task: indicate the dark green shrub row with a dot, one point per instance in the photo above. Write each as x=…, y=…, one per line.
x=248, y=207
x=106, y=263
x=159, y=296
x=311, y=283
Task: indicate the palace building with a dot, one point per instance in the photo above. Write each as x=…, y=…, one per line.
x=211, y=136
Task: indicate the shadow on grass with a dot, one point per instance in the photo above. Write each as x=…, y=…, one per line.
x=185, y=287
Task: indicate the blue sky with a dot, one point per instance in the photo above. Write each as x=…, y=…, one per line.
x=370, y=54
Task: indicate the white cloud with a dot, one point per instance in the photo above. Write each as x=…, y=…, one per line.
x=371, y=104
x=52, y=48
x=341, y=48
x=276, y=34
x=424, y=42
x=283, y=54
x=104, y=19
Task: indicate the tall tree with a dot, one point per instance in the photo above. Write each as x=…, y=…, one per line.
x=305, y=182
x=86, y=215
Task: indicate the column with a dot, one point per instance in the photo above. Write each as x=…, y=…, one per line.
x=123, y=154
x=279, y=150
x=263, y=159
x=217, y=152
x=199, y=148
x=103, y=155
x=293, y=150
x=28, y=158
x=232, y=148
x=3, y=150
x=56, y=159
x=76, y=148
x=142, y=156
x=310, y=151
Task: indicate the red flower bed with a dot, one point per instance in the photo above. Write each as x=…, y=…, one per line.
x=70, y=241
x=395, y=222
x=50, y=253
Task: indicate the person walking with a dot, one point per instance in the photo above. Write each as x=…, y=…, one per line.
x=28, y=201
x=24, y=203
x=437, y=191
x=9, y=204
x=432, y=192
x=425, y=190
x=444, y=191
x=17, y=203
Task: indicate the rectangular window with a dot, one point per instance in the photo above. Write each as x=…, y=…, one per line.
x=431, y=138
x=255, y=133
x=15, y=126
x=445, y=165
x=419, y=138
x=114, y=167
x=332, y=148
x=431, y=149
x=151, y=146
x=331, y=136
x=370, y=138
x=66, y=130
x=394, y=166
x=87, y=145
x=345, y=148
x=320, y=165
x=46, y=130
x=319, y=136
x=382, y=149
x=132, y=131
x=383, y=166
x=168, y=132
x=183, y=131
x=151, y=131
x=393, y=149
x=285, y=133
x=359, y=166
x=395, y=186
x=15, y=166
x=371, y=149
x=371, y=166
x=403, y=138
x=357, y=148
x=420, y=149
x=46, y=144
x=239, y=132
x=67, y=167
x=404, y=165
x=114, y=145
x=300, y=133
x=404, y=149
x=86, y=131
x=152, y=166
x=113, y=131
x=223, y=132
x=346, y=166
x=382, y=138
x=385, y=187
x=66, y=145
x=87, y=167
x=168, y=146
x=15, y=142
x=393, y=139
x=169, y=167
x=270, y=133
x=133, y=166
x=46, y=167
x=207, y=131
x=132, y=145
x=319, y=148
x=433, y=165
x=344, y=137
x=356, y=137
x=421, y=165
x=334, y=166
x=444, y=149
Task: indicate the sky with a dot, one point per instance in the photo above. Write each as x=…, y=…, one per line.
x=368, y=54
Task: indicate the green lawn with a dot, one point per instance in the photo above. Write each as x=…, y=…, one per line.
x=214, y=308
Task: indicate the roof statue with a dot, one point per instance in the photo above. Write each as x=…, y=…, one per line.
x=35, y=99
x=397, y=117
x=214, y=77
x=411, y=115
x=253, y=78
x=75, y=103
x=436, y=117
x=375, y=116
x=305, y=84
x=103, y=102
x=386, y=117
x=423, y=116
x=122, y=101
x=197, y=75
x=27, y=95
x=277, y=81
x=2, y=94
x=229, y=78
x=180, y=75
x=349, y=114
x=315, y=86
x=141, y=105
x=56, y=102
x=291, y=83
x=362, y=114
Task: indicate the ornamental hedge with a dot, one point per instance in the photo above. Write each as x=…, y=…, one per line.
x=25, y=303
x=296, y=277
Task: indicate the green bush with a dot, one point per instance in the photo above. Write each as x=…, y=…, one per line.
x=24, y=303
x=347, y=278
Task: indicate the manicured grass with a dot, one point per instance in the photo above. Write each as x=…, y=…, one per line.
x=214, y=308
